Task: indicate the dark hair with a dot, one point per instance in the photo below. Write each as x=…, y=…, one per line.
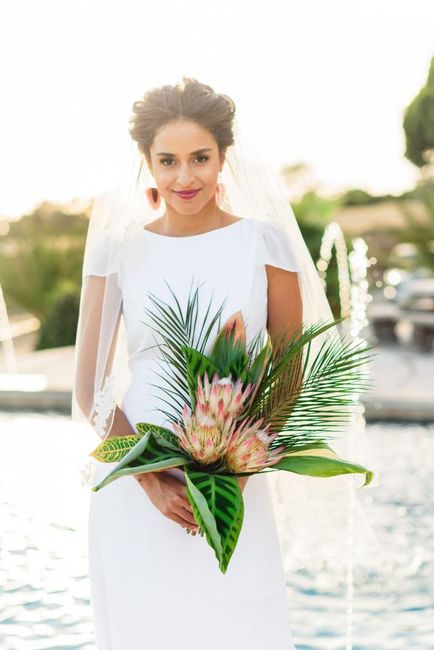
x=188, y=100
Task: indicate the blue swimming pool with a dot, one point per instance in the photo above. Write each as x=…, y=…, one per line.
x=45, y=600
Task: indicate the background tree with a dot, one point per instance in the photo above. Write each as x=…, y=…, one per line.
x=419, y=124
x=40, y=270
x=418, y=127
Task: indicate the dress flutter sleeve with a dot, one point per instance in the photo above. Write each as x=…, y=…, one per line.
x=275, y=247
x=101, y=259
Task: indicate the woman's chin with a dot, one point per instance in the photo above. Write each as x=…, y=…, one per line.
x=188, y=207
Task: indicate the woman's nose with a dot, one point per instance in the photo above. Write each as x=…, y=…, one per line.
x=184, y=175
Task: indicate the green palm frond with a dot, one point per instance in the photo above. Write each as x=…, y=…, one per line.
x=296, y=401
x=293, y=395
x=178, y=331
x=284, y=365
x=255, y=345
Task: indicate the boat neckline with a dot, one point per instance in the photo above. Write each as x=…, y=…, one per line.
x=200, y=234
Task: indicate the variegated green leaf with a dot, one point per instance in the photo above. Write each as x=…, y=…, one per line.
x=218, y=507
x=154, y=452
x=114, y=448
x=322, y=466
x=162, y=435
x=143, y=427
x=158, y=465
x=203, y=516
x=151, y=457
x=138, y=449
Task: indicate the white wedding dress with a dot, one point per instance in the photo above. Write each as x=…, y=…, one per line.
x=153, y=586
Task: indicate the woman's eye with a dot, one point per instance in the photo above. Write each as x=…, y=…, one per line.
x=170, y=160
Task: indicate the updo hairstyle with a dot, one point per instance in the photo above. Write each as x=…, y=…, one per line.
x=188, y=100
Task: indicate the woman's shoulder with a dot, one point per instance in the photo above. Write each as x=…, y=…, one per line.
x=266, y=226
x=101, y=256
x=275, y=245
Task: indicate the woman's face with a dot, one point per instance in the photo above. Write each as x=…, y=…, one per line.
x=185, y=156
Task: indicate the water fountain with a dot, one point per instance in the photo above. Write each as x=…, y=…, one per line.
x=353, y=297
x=6, y=336
x=11, y=379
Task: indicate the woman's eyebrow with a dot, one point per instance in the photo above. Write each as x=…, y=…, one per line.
x=164, y=153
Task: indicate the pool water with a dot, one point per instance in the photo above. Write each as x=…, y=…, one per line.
x=45, y=596
x=393, y=603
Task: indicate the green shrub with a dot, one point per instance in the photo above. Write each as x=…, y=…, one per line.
x=60, y=325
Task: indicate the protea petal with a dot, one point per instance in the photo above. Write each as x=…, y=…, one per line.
x=235, y=326
x=249, y=448
x=202, y=436
x=222, y=396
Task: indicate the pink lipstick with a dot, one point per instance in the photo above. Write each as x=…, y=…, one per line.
x=187, y=194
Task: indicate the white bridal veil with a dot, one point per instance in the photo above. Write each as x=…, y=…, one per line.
x=317, y=518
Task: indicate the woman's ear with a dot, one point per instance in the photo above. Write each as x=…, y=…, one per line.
x=222, y=157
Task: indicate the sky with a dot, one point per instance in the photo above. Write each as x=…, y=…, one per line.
x=324, y=82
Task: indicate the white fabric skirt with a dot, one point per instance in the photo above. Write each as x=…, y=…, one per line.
x=154, y=587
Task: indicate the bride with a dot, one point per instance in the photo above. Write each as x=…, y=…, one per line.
x=196, y=215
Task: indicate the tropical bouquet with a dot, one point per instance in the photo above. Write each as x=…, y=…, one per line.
x=241, y=409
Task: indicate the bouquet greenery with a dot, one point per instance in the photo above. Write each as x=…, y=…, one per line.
x=240, y=410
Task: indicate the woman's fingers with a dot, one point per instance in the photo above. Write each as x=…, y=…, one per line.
x=185, y=523
x=186, y=515
x=183, y=503
x=179, y=520
x=190, y=518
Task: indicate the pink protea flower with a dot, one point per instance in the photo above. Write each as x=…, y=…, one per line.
x=206, y=433
x=222, y=399
x=202, y=436
x=249, y=448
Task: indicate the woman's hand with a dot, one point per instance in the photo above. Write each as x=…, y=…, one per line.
x=168, y=494
x=242, y=480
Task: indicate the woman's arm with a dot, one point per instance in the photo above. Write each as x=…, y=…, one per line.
x=284, y=311
x=285, y=317
x=96, y=338
x=90, y=337
x=285, y=308
x=100, y=313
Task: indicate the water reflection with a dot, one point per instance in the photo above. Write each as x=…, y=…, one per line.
x=393, y=602
x=45, y=596
x=45, y=600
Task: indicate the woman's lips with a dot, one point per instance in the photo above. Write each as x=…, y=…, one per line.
x=188, y=194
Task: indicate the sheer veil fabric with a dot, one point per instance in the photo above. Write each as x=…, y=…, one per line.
x=316, y=518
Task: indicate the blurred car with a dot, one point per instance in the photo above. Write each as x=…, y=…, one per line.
x=417, y=294
x=413, y=302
